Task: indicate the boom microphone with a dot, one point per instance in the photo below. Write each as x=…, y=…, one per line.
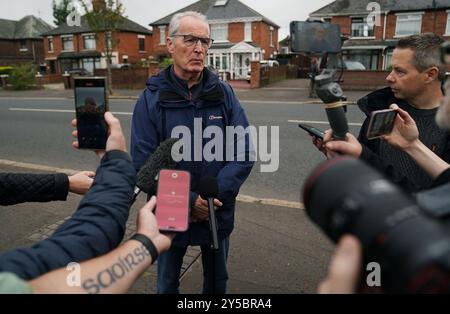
x=160, y=159
x=209, y=189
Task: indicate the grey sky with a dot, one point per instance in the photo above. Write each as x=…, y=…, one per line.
x=147, y=11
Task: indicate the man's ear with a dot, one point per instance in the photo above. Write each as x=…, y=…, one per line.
x=170, y=44
x=432, y=74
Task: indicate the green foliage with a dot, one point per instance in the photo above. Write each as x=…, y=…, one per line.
x=60, y=11
x=22, y=76
x=6, y=70
x=165, y=63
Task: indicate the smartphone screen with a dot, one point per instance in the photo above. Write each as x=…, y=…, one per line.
x=172, y=209
x=381, y=123
x=91, y=104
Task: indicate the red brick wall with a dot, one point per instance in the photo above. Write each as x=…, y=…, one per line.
x=364, y=80
x=345, y=22
x=260, y=36
x=129, y=45
x=158, y=49
x=236, y=32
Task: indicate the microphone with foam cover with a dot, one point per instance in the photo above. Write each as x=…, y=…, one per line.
x=160, y=159
x=209, y=189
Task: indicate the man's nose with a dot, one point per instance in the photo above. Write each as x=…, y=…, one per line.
x=390, y=78
x=198, y=46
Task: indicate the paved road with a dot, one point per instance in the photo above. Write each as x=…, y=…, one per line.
x=38, y=131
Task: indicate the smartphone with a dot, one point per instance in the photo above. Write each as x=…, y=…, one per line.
x=312, y=130
x=381, y=123
x=91, y=103
x=172, y=200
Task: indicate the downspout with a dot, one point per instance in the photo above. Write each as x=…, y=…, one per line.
x=384, y=37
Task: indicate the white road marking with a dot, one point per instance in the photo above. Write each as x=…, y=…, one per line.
x=320, y=122
x=63, y=111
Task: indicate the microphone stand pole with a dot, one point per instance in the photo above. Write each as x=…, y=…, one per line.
x=214, y=246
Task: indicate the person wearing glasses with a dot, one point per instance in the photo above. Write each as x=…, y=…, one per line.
x=186, y=96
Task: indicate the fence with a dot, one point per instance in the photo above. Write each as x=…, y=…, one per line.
x=126, y=78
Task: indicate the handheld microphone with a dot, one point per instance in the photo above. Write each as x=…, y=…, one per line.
x=147, y=175
x=209, y=189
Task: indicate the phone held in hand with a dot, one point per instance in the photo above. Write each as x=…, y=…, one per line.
x=381, y=123
x=312, y=131
x=91, y=103
x=172, y=208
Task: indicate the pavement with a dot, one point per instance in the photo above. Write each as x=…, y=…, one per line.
x=292, y=90
x=273, y=249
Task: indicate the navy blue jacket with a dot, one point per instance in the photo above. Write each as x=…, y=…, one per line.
x=96, y=228
x=163, y=106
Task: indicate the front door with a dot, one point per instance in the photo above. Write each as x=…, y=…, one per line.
x=242, y=65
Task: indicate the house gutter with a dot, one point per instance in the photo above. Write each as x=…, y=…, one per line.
x=384, y=37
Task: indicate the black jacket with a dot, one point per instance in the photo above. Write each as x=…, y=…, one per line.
x=395, y=164
x=97, y=226
x=18, y=188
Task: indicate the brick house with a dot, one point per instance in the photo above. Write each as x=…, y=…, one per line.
x=72, y=47
x=21, y=41
x=240, y=34
x=373, y=46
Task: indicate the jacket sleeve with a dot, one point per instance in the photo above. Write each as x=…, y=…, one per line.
x=231, y=177
x=144, y=134
x=18, y=188
x=96, y=227
x=372, y=159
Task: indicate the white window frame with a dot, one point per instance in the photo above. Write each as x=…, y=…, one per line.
x=162, y=35
x=447, y=29
x=365, y=25
x=271, y=29
x=417, y=15
x=219, y=32
x=248, y=32
x=62, y=43
x=95, y=41
x=139, y=44
x=48, y=43
x=220, y=3
x=20, y=46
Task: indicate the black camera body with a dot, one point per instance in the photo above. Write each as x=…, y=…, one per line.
x=411, y=245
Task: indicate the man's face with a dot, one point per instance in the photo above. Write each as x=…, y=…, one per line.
x=187, y=59
x=90, y=108
x=443, y=114
x=405, y=80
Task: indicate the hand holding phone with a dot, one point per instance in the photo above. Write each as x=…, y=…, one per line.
x=91, y=103
x=312, y=131
x=381, y=123
x=172, y=210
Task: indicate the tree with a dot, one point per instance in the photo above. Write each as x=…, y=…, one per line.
x=22, y=76
x=60, y=11
x=104, y=18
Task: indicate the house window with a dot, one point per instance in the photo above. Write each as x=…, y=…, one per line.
x=447, y=32
x=67, y=43
x=360, y=28
x=219, y=32
x=368, y=58
x=271, y=38
x=50, y=44
x=108, y=41
x=141, y=40
x=162, y=35
x=408, y=24
x=220, y=3
x=23, y=45
x=248, y=31
x=89, y=42
x=388, y=59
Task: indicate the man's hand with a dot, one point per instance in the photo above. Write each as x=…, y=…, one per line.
x=81, y=182
x=351, y=146
x=405, y=133
x=116, y=139
x=200, y=211
x=148, y=226
x=345, y=267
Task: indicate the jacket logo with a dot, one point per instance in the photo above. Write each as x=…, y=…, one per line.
x=213, y=117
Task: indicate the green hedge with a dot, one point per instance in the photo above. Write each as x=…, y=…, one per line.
x=22, y=76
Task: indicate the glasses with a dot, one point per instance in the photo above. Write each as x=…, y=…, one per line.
x=190, y=40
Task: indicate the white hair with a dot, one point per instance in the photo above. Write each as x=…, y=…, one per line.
x=175, y=21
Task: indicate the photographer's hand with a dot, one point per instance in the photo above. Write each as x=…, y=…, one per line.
x=81, y=182
x=405, y=134
x=344, y=269
x=350, y=147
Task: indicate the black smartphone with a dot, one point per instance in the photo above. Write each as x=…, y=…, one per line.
x=381, y=123
x=91, y=103
x=312, y=130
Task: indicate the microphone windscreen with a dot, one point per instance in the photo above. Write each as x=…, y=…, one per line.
x=160, y=159
x=208, y=187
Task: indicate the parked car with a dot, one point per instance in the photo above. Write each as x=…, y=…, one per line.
x=352, y=65
x=79, y=72
x=120, y=66
x=269, y=63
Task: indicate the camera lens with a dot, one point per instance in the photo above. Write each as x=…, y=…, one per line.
x=174, y=175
